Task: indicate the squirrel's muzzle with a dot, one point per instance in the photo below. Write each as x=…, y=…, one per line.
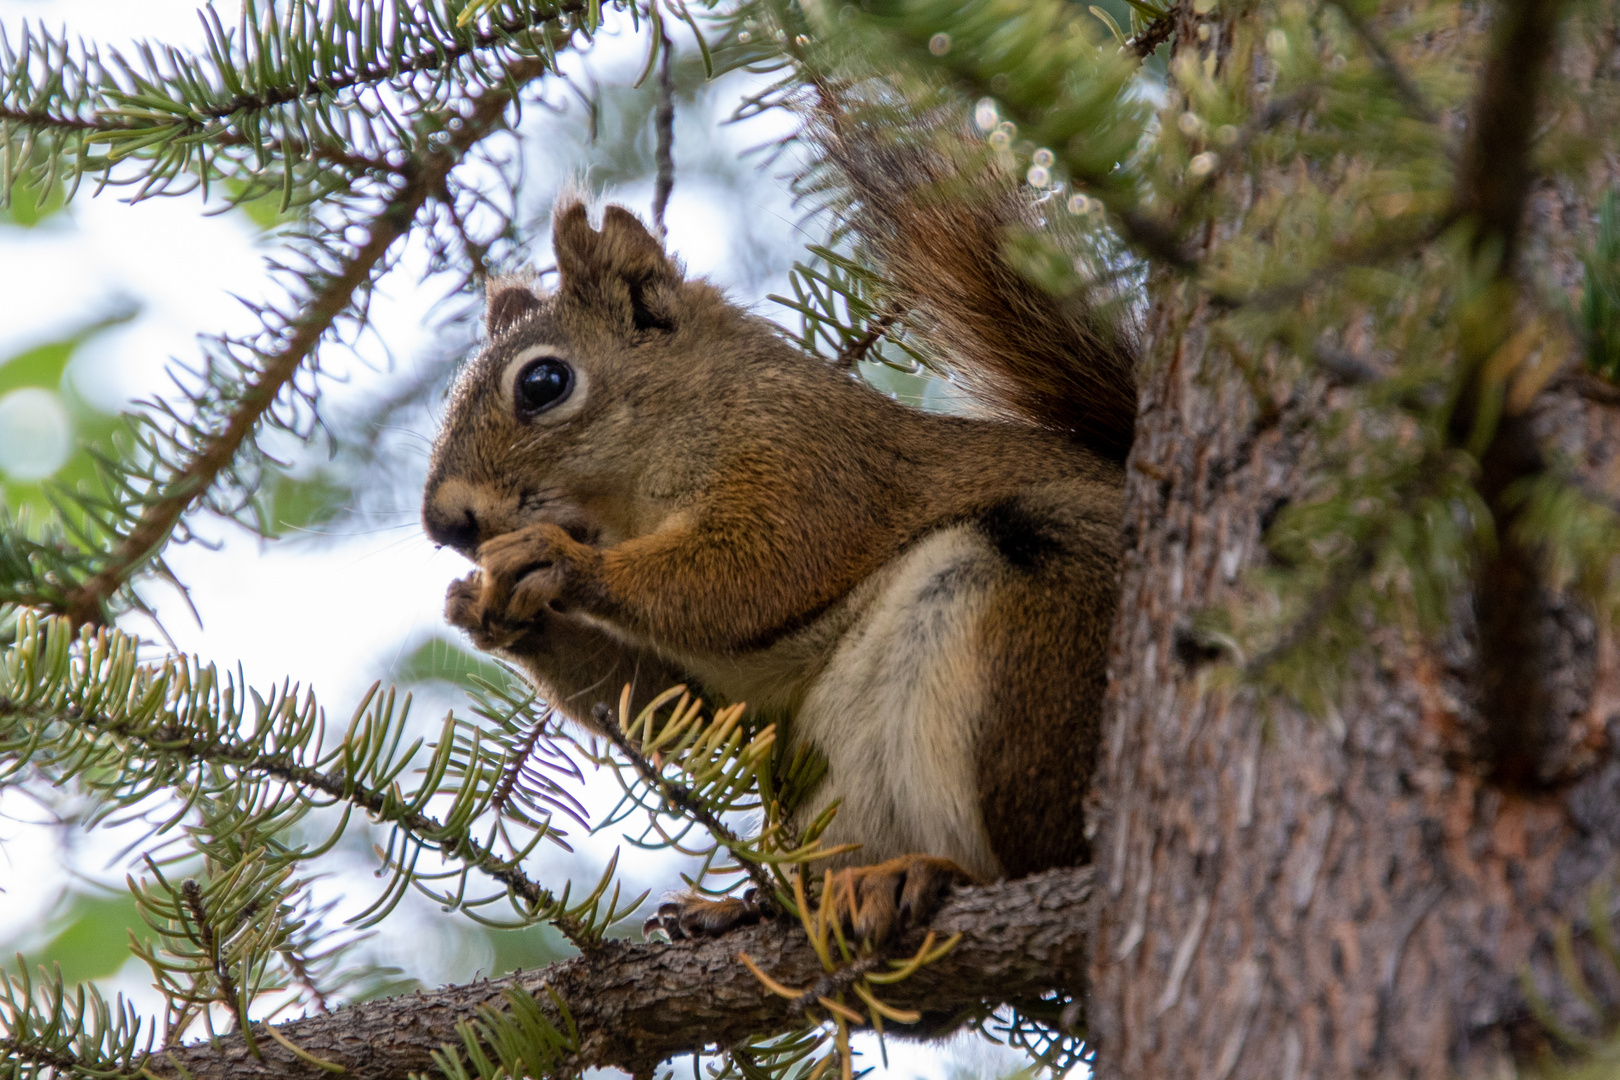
x=459, y=514
x=448, y=530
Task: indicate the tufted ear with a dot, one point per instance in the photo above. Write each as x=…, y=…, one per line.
x=621, y=269
x=508, y=301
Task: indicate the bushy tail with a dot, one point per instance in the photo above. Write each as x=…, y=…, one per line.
x=940, y=231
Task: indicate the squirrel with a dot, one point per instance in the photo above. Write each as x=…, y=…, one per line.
x=658, y=487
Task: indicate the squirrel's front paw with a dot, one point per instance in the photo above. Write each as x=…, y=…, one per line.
x=522, y=575
x=527, y=572
x=532, y=570
x=464, y=608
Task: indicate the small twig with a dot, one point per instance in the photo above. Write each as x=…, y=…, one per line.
x=856, y=351
x=434, y=58
x=500, y=797
x=284, y=766
x=44, y=119
x=835, y=981
x=1593, y=388
x=1404, y=86
x=215, y=950
x=62, y=1064
x=1342, y=579
x=1344, y=367
x=1339, y=584
x=304, y=977
x=1375, y=250
x=664, y=124
x=1154, y=34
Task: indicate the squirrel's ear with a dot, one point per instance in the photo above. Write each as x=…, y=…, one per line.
x=508, y=301
x=622, y=267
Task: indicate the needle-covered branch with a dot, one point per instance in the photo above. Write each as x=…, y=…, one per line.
x=85, y=711
x=273, y=83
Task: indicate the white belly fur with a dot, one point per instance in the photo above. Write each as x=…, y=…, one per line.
x=889, y=686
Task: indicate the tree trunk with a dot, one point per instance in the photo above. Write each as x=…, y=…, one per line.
x=1287, y=896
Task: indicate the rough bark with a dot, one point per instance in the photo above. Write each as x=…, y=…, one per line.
x=1285, y=896
x=635, y=1005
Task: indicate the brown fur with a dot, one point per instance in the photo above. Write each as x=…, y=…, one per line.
x=709, y=499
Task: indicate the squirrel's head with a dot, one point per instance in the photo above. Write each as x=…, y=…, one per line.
x=567, y=413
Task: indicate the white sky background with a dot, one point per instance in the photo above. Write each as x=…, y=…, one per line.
x=342, y=613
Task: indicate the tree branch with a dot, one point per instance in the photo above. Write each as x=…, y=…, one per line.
x=680, y=797
x=30, y=118
x=1416, y=103
x=856, y=350
x=84, y=603
x=635, y=1005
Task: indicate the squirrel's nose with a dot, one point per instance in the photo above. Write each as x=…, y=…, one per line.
x=452, y=526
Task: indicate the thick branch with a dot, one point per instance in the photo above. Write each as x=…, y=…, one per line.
x=636, y=1005
x=84, y=603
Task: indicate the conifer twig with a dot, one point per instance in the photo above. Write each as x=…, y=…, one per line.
x=681, y=798
x=856, y=351
x=246, y=758
x=1155, y=33
x=1399, y=79
x=194, y=120
x=664, y=125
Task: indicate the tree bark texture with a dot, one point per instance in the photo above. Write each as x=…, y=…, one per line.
x=1286, y=896
x=635, y=1005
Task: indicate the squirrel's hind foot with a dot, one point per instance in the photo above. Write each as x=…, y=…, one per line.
x=877, y=901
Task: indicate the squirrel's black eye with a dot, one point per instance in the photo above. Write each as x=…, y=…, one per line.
x=541, y=385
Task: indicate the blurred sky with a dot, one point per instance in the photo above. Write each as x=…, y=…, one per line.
x=343, y=609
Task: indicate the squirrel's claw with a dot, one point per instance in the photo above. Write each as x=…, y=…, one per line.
x=689, y=917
